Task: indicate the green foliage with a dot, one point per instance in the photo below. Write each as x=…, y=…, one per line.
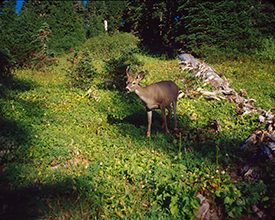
x=110, y=45
x=95, y=27
x=154, y=21
x=44, y=57
x=67, y=25
x=15, y=36
x=63, y=155
x=64, y=18
x=266, y=51
x=7, y=62
x=82, y=71
x=98, y=11
x=231, y=27
x=232, y=200
x=116, y=67
x=254, y=192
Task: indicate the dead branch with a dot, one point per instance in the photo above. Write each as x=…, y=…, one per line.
x=262, y=142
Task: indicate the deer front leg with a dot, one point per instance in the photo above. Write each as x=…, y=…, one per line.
x=149, y=118
x=164, y=119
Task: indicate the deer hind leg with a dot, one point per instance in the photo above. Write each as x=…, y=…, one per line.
x=164, y=117
x=149, y=118
x=168, y=115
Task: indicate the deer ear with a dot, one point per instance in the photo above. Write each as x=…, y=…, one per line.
x=141, y=75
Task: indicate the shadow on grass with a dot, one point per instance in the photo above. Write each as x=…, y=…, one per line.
x=15, y=132
x=15, y=137
x=23, y=195
x=72, y=198
x=204, y=140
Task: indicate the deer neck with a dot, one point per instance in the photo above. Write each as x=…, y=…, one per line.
x=142, y=93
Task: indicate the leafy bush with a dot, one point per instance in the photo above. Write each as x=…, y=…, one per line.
x=7, y=62
x=232, y=199
x=44, y=57
x=267, y=49
x=65, y=43
x=82, y=70
x=116, y=67
x=95, y=27
x=108, y=45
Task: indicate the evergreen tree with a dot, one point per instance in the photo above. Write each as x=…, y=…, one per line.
x=66, y=23
x=100, y=11
x=96, y=14
x=231, y=26
x=65, y=18
x=16, y=34
x=114, y=15
x=8, y=19
x=227, y=25
x=154, y=21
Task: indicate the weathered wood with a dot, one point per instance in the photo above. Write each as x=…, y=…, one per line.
x=261, y=141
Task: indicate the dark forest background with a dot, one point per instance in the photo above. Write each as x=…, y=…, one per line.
x=227, y=29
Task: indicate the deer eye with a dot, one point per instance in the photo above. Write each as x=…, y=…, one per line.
x=133, y=83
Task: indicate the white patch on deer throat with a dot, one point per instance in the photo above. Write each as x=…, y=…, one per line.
x=144, y=99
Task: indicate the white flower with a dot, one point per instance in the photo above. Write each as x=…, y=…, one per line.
x=100, y=163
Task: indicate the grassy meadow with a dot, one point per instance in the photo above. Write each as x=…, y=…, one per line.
x=69, y=154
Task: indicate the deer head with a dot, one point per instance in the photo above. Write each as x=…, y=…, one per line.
x=133, y=82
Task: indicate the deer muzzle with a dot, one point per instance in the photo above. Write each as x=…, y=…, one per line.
x=127, y=90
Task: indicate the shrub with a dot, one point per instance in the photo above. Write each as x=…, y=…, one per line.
x=267, y=49
x=7, y=62
x=116, y=67
x=108, y=45
x=82, y=70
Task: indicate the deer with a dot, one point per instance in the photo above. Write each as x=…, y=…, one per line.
x=158, y=95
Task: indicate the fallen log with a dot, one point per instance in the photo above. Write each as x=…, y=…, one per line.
x=262, y=142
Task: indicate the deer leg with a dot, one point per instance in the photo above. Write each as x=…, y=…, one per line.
x=175, y=114
x=164, y=119
x=168, y=116
x=169, y=113
x=149, y=118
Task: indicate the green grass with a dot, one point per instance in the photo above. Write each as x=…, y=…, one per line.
x=67, y=156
